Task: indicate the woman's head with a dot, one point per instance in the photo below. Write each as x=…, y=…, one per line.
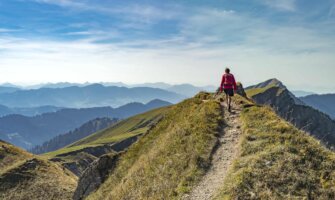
x=227, y=70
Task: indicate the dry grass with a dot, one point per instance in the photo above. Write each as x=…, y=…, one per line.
x=167, y=161
x=11, y=156
x=278, y=161
x=40, y=179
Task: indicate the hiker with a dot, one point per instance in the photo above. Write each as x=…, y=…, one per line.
x=228, y=85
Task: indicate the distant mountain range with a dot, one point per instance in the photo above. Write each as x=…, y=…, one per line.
x=95, y=95
x=4, y=110
x=74, y=135
x=7, y=89
x=183, y=89
x=27, y=132
x=324, y=103
x=301, y=93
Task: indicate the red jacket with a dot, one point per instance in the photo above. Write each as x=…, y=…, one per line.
x=228, y=82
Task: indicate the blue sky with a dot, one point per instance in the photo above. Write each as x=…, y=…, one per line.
x=180, y=41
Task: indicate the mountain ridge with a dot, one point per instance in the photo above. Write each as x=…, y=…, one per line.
x=63, y=140
x=29, y=131
x=295, y=111
x=95, y=95
x=23, y=176
x=324, y=103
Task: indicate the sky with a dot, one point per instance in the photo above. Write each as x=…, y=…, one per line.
x=173, y=41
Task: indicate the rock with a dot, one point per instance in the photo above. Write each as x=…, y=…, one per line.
x=240, y=90
x=95, y=175
x=81, y=159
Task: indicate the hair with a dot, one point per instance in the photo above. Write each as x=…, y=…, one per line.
x=227, y=70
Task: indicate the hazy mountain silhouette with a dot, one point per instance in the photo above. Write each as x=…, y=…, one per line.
x=95, y=95
x=301, y=93
x=74, y=135
x=4, y=110
x=7, y=89
x=324, y=103
x=27, y=132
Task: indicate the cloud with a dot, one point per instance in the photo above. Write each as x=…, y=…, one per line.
x=204, y=42
x=131, y=11
x=5, y=30
x=65, y=3
x=332, y=9
x=282, y=5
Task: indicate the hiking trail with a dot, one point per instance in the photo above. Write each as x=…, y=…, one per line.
x=222, y=158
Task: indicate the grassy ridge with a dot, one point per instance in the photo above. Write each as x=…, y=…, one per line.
x=170, y=158
x=254, y=91
x=10, y=156
x=24, y=176
x=132, y=126
x=279, y=162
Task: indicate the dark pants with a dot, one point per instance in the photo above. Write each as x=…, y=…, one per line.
x=229, y=92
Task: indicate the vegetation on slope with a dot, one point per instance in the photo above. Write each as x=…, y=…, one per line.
x=24, y=176
x=278, y=161
x=10, y=156
x=254, y=91
x=124, y=129
x=166, y=162
x=83, y=131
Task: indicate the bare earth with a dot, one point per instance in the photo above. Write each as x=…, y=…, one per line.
x=222, y=160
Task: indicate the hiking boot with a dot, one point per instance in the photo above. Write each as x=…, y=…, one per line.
x=229, y=108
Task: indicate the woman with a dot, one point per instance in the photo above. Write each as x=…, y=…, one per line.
x=228, y=85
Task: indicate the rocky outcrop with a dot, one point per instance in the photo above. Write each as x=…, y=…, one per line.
x=306, y=118
x=19, y=174
x=95, y=175
x=240, y=90
x=82, y=158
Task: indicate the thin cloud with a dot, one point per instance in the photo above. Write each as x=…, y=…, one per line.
x=202, y=42
x=133, y=11
x=6, y=30
x=282, y=5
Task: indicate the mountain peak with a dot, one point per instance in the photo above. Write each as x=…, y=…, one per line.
x=274, y=82
x=158, y=102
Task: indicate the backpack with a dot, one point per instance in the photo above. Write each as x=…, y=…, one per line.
x=228, y=79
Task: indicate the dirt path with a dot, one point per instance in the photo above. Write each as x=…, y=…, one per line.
x=223, y=157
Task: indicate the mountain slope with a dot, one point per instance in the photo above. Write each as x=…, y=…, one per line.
x=292, y=109
x=75, y=135
x=95, y=95
x=222, y=158
x=325, y=103
x=165, y=162
x=80, y=154
x=24, y=176
x=277, y=161
x=27, y=132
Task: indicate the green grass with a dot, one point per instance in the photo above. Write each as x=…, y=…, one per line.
x=277, y=161
x=254, y=91
x=132, y=126
x=170, y=158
